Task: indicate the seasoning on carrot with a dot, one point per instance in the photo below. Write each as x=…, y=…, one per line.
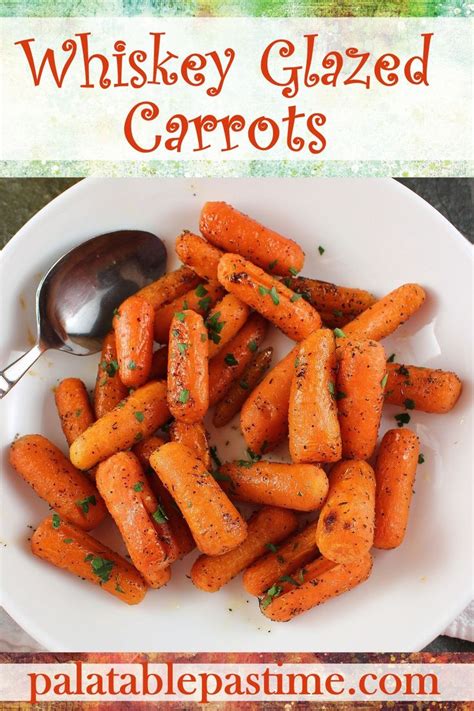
x=231, y=314
x=133, y=326
x=188, y=373
x=170, y=286
x=45, y=468
x=74, y=407
x=109, y=389
x=198, y=254
x=70, y=548
x=313, y=425
x=269, y=296
x=159, y=364
x=266, y=527
x=199, y=299
x=415, y=388
x=345, y=529
x=144, y=411
x=395, y=471
x=193, y=436
x=330, y=298
x=215, y=523
x=232, y=231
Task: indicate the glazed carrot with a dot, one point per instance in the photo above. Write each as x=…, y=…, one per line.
x=360, y=386
x=386, y=315
x=264, y=416
x=270, y=297
x=193, y=436
x=302, y=487
x=198, y=254
x=134, y=418
x=314, y=428
x=230, y=363
x=267, y=526
x=188, y=373
x=215, y=523
x=224, y=321
x=109, y=389
x=240, y=389
x=232, y=231
x=435, y=391
x=159, y=364
x=45, y=468
x=330, y=298
x=395, y=471
x=314, y=584
x=281, y=561
x=199, y=299
x=170, y=286
x=346, y=523
x=133, y=326
x=70, y=548
x=140, y=519
x=74, y=407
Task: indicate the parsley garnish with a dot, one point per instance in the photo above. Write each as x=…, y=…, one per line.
x=296, y=297
x=118, y=588
x=139, y=416
x=183, y=396
x=331, y=388
x=175, y=332
x=160, y=516
x=200, y=290
x=214, y=456
x=337, y=312
x=67, y=540
x=78, y=413
x=271, y=292
x=182, y=347
x=271, y=547
x=383, y=382
x=56, y=521
x=138, y=436
x=272, y=592
x=179, y=316
x=253, y=458
x=409, y=404
x=340, y=395
x=421, y=458
x=203, y=304
x=243, y=384
x=116, y=313
x=402, y=419
x=84, y=503
x=132, y=365
x=288, y=579
x=273, y=264
x=230, y=359
x=321, y=250
x=252, y=346
x=293, y=271
x=402, y=370
x=138, y=486
x=214, y=327
x=185, y=305
x=339, y=333
x=220, y=477
x=203, y=337
x=100, y=566
x=110, y=368
x=391, y=358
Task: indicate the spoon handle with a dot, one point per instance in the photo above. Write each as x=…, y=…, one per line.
x=16, y=370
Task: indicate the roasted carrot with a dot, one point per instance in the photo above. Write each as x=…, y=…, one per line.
x=133, y=327
x=45, y=468
x=136, y=417
x=346, y=523
x=159, y=364
x=224, y=321
x=330, y=298
x=230, y=363
x=312, y=585
x=139, y=517
x=409, y=386
x=70, y=548
x=302, y=487
x=264, y=416
x=193, y=436
x=215, y=523
x=269, y=296
x=199, y=299
x=314, y=428
x=386, y=315
x=232, y=231
x=109, y=389
x=198, y=254
x=240, y=389
x=282, y=560
x=188, y=372
x=395, y=471
x=74, y=407
x=360, y=383
x=266, y=527
x=170, y=286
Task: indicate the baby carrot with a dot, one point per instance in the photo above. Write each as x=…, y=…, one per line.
x=109, y=389
x=240, y=389
x=188, y=373
x=314, y=428
x=231, y=314
x=287, y=310
x=330, y=298
x=170, y=286
x=134, y=418
x=360, y=383
x=145, y=448
x=266, y=527
x=409, y=386
x=193, y=436
x=199, y=299
x=45, y=468
x=140, y=519
x=230, y=363
x=74, y=407
x=70, y=548
x=215, y=523
x=159, y=364
x=386, y=315
x=232, y=231
x=312, y=585
x=198, y=254
x=302, y=487
x=264, y=416
x=346, y=523
x=395, y=471
x=282, y=560
x=133, y=326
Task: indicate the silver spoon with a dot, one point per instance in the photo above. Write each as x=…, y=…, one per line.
x=76, y=299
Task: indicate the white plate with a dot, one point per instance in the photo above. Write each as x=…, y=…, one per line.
x=377, y=235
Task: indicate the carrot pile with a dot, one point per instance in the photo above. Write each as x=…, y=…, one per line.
x=193, y=343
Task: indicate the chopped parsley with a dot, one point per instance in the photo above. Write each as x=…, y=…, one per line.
x=204, y=337
x=273, y=264
x=409, y=404
x=132, y=365
x=56, y=521
x=200, y=290
x=271, y=547
x=182, y=347
x=293, y=271
x=244, y=385
x=391, y=358
x=230, y=359
x=288, y=579
x=160, y=516
x=252, y=345
x=331, y=388
x=270, y=292
x=383, y=382
x=185, y=305
x=102, y=567
x=337, y=312
x=116, y=313
x=179, y=316
x=110, y=368
x=175, y=333
x=402, y=419
x=339, y=333
x=84, y=503
x=139, y=416
x=403, y=371
x=321, y=250
x=421, y=458
x=272, y=592
x=118, y=588
x=252, y=459
x=220, y=477
x=184, y=396
x=138, y=486
x=204, y=304
x=78, y=413
x=296, y=297
x=214, y=327
x=340, y=395
x=214, y=456
x=138, y=436
x=67, y=540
